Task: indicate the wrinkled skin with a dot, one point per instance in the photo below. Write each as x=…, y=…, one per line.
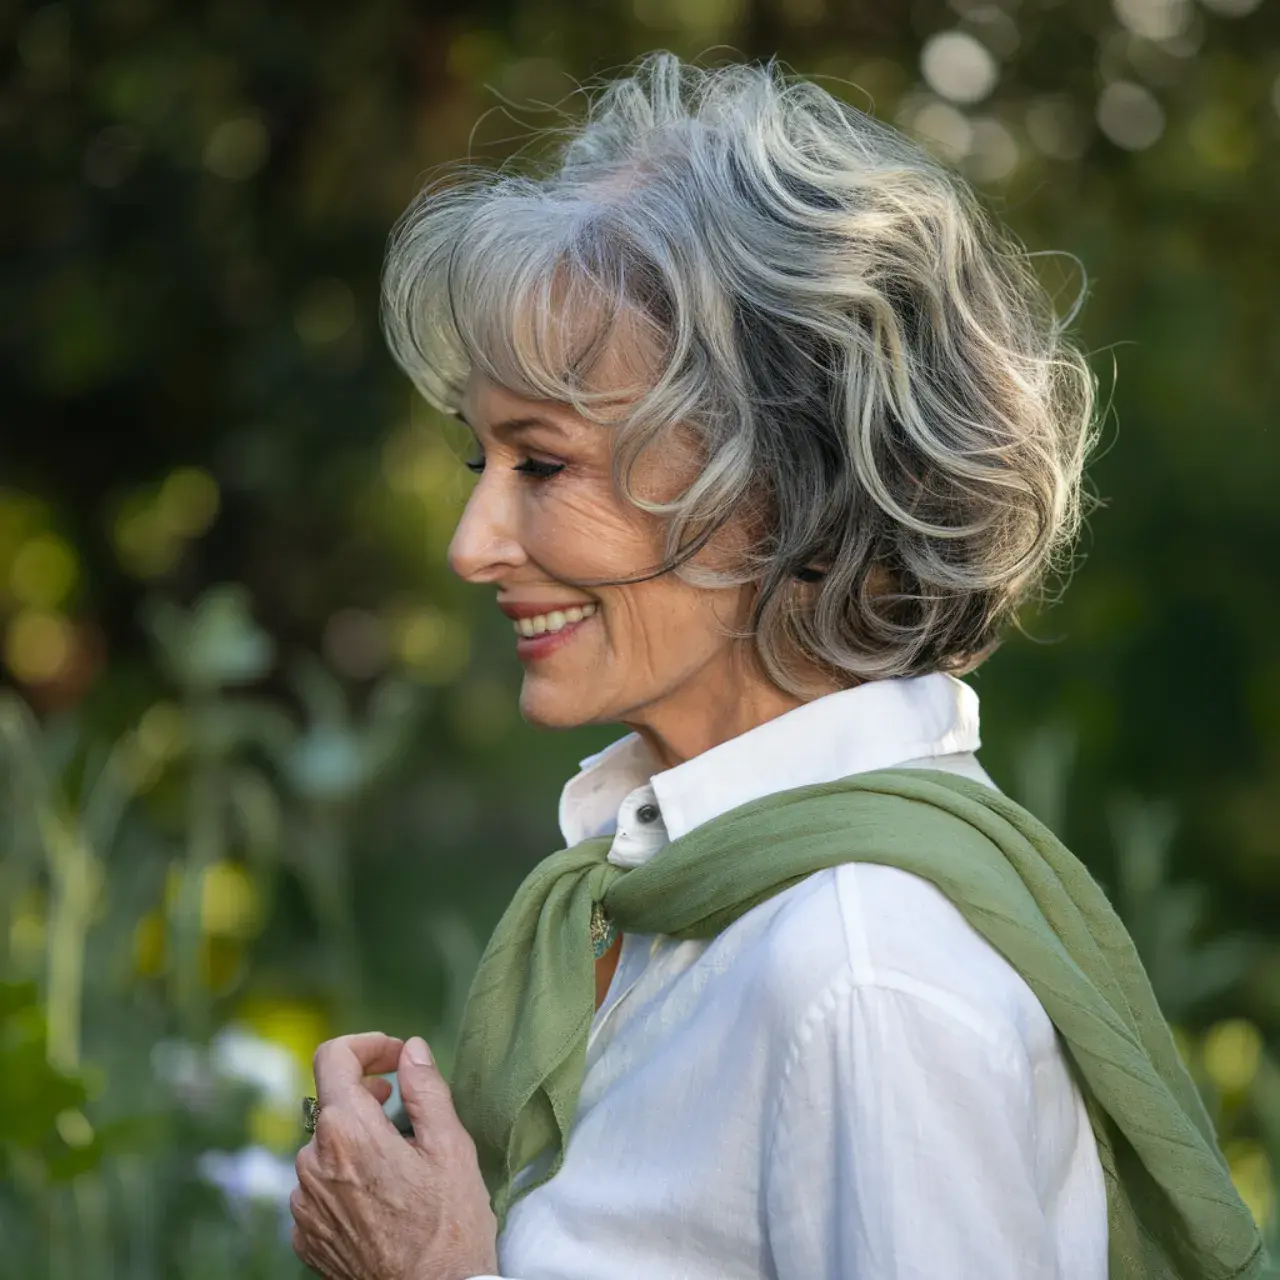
x=373, y=1205
x=658, y=655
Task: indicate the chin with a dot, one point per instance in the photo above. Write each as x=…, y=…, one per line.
x=551, y=708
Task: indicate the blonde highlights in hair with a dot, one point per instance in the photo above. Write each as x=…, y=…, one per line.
x=872, y=371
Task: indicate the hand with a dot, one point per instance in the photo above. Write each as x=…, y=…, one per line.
x=373, y=1205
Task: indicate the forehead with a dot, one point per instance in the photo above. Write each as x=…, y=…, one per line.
x=487, y=405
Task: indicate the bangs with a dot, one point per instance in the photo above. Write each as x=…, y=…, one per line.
x=528, y=287
x=866, y=367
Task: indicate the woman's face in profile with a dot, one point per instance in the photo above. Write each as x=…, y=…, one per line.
x=545, y=512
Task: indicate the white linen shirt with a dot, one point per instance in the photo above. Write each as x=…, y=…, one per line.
x=848, y=1083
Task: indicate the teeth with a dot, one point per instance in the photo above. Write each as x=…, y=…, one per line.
x=556, y=620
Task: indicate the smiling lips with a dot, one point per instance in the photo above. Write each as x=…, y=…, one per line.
x=538, y=624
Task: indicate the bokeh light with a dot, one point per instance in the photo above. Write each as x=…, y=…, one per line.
x=993, y=155
x=1130, y=115
x=1222, y=138
x=153, y=525
x=39, y=646
x=433, y=645
x=230, y=903
x=356, y=643
x=1056, y=126
x=187, y=503
x=956, y=66
x=1155, y=19
x=1232, y=1054
x=237, y=148
x=44, y=571
x=944, y=129
x=162, y=730
x=145, y=545
x=1253, y=1177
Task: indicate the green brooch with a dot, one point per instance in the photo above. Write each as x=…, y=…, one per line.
x=603, y=930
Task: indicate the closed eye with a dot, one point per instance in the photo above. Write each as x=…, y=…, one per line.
x=529, y=467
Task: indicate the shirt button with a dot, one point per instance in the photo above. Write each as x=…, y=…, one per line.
x=647, y=813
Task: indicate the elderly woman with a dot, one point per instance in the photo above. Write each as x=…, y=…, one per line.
x=773, y=432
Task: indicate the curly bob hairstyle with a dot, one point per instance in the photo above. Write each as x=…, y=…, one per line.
x=876, y=381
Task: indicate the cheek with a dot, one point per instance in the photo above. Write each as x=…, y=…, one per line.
x=665, y=624
x=581, y=534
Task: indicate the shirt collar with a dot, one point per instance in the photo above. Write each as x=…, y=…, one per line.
x=873, y=726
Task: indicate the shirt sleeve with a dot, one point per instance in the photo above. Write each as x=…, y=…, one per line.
x=904, y=1143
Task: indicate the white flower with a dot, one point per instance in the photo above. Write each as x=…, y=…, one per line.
x=238, y=1054
x=253, y=1176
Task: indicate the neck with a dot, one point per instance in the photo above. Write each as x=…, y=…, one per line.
x=720, y=704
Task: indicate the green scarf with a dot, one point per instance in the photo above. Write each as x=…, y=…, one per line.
x=1171, y=1207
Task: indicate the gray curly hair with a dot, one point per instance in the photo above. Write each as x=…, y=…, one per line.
x=876, y=380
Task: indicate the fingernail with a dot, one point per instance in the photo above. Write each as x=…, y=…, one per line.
x=418, y=1051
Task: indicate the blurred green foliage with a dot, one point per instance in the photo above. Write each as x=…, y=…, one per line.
x=264, y=778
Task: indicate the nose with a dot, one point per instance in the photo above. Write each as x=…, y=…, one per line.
x=486, y=543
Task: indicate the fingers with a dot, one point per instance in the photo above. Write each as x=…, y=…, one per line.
x=302, y=1237
x=313, y=1252
x=425, y=1094
x=362, y=1191
x=299, y=1242
x=380, y=1088
x=341, y=1065
x=311, y=1235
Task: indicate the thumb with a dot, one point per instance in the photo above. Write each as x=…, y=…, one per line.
x=423, y=1090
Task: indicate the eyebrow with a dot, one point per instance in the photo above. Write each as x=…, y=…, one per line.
x=511, y=426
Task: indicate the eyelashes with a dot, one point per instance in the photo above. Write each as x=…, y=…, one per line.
x=529, y=467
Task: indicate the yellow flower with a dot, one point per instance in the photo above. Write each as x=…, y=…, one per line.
x=230, y=905
x=299, y=1026
x=220, y=956
x=230, y=916
x=1251, y=1173
x=275, y=1127
x=1232, y=1052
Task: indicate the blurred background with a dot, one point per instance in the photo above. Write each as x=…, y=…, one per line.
x=263, y=776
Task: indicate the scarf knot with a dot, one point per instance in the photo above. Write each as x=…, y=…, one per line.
x=1172, y=1211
